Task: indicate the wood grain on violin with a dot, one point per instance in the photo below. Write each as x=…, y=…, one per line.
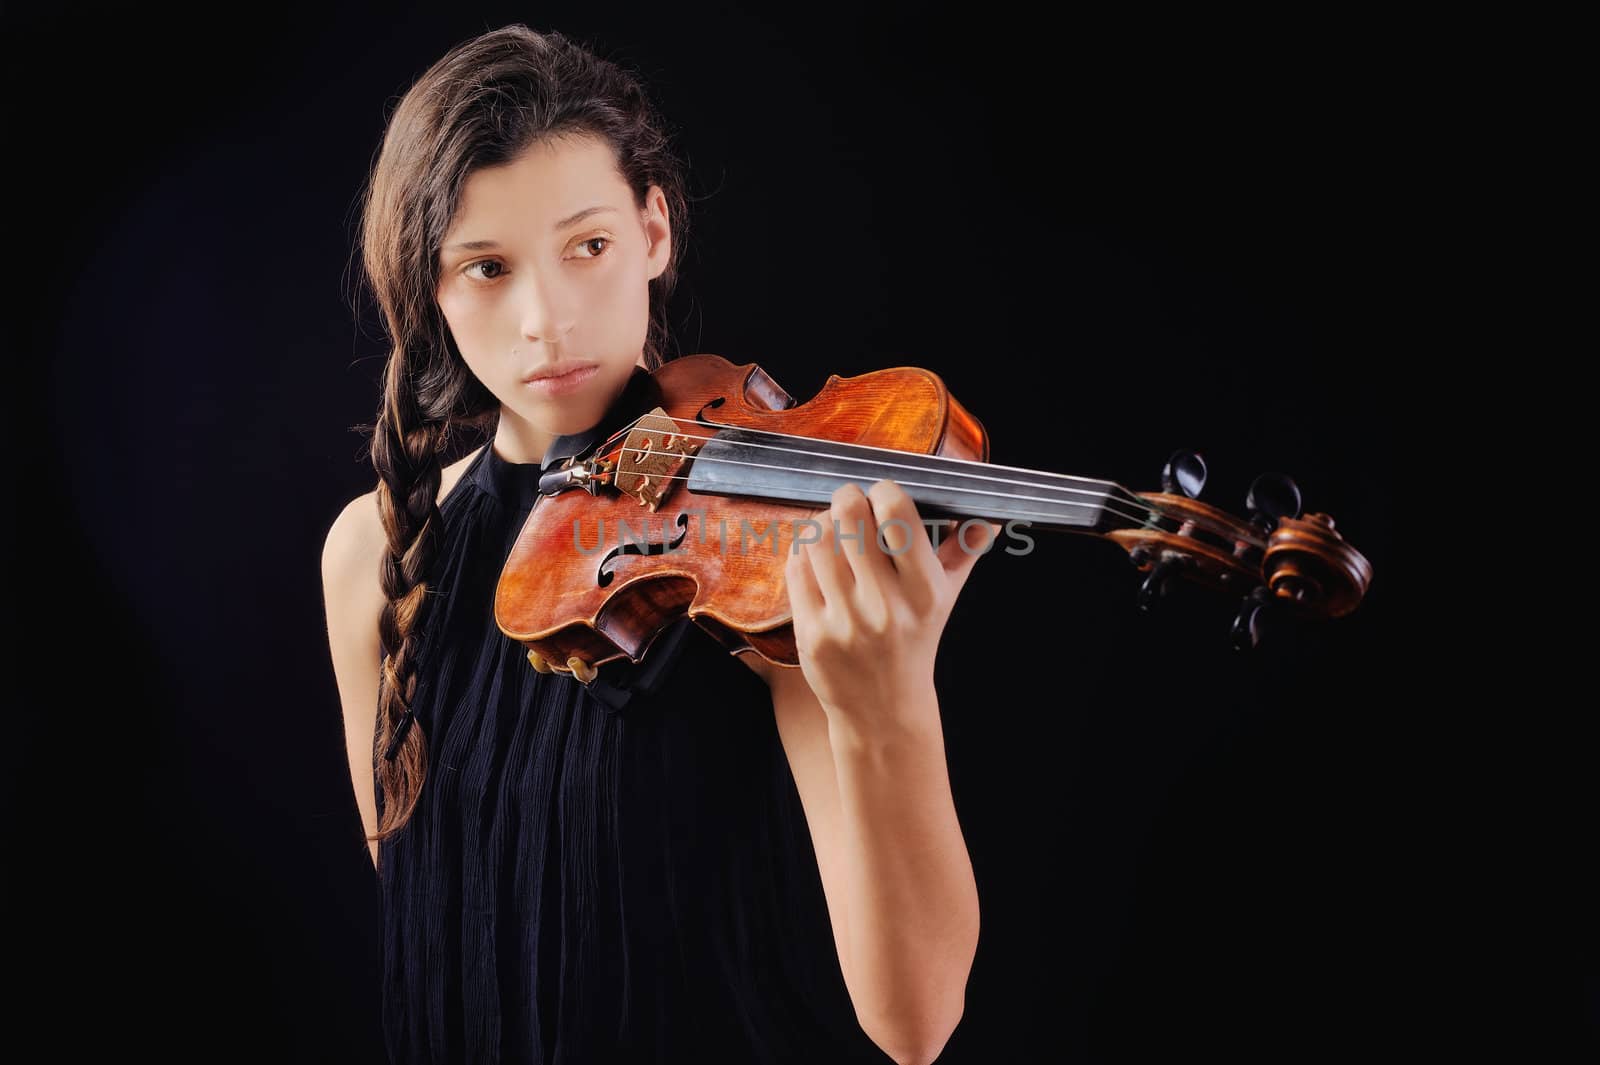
x=692, y=507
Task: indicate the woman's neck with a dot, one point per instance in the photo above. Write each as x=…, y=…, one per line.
x=520, y=446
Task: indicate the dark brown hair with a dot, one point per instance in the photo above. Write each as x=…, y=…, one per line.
x=483, y=104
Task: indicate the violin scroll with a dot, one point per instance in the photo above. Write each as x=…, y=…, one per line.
x=1272, y=558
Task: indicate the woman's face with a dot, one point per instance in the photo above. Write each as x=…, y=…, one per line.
x=540, y=287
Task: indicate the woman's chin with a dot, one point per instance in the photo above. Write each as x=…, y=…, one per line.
x=561, y=419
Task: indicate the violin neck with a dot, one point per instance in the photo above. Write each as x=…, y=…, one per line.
x=804, y=471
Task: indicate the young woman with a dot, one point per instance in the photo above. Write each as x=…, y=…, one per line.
x=699, y=857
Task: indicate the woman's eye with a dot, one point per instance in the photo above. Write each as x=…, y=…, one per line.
x=496, y=267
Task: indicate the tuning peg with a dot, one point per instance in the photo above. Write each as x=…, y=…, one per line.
x=1247, y=625
x=1154, y=585
x=1272, y=496
x=1184, y=473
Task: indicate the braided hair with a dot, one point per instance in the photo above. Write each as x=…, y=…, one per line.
x=484, y=103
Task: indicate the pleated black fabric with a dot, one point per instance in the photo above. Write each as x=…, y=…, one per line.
x=581, y=883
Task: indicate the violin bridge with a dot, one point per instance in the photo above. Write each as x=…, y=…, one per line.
x=654, y=452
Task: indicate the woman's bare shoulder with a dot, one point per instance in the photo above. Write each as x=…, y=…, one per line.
x=359, y=528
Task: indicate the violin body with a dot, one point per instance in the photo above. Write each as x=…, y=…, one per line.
x=693, y=508
x=582, y=585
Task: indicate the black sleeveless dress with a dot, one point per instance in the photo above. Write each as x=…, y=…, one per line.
x=616, y=873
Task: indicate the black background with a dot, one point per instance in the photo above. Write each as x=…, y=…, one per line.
x=1111, y=242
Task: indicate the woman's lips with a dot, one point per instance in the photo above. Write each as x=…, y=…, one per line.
x=567, y=382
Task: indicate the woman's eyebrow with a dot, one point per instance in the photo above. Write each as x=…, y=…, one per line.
x=570, y=220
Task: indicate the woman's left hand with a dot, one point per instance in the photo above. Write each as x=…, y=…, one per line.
x=869, y=611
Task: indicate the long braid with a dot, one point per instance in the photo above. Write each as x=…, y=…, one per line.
x=405, y=452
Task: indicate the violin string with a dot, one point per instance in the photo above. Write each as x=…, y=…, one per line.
x=1011, y=511
x=928, y=467
x=943, y=459
x=1108, y=500
x=752, y=488
x=902, y=483
x=1225, y=532
x=1141, y=517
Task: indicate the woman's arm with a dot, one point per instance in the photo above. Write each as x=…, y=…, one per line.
x=354, y=601
x=871, y=594
x=900, y=890
x=352, y=589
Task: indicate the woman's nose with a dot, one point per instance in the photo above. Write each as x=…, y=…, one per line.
x=546, y=308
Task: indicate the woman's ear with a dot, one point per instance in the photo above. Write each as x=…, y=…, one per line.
x=657, y=231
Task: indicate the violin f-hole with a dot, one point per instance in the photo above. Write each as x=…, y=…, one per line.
x=700, y=415
x=604, y=573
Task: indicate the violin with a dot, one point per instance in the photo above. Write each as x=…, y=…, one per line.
x=691, y=507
